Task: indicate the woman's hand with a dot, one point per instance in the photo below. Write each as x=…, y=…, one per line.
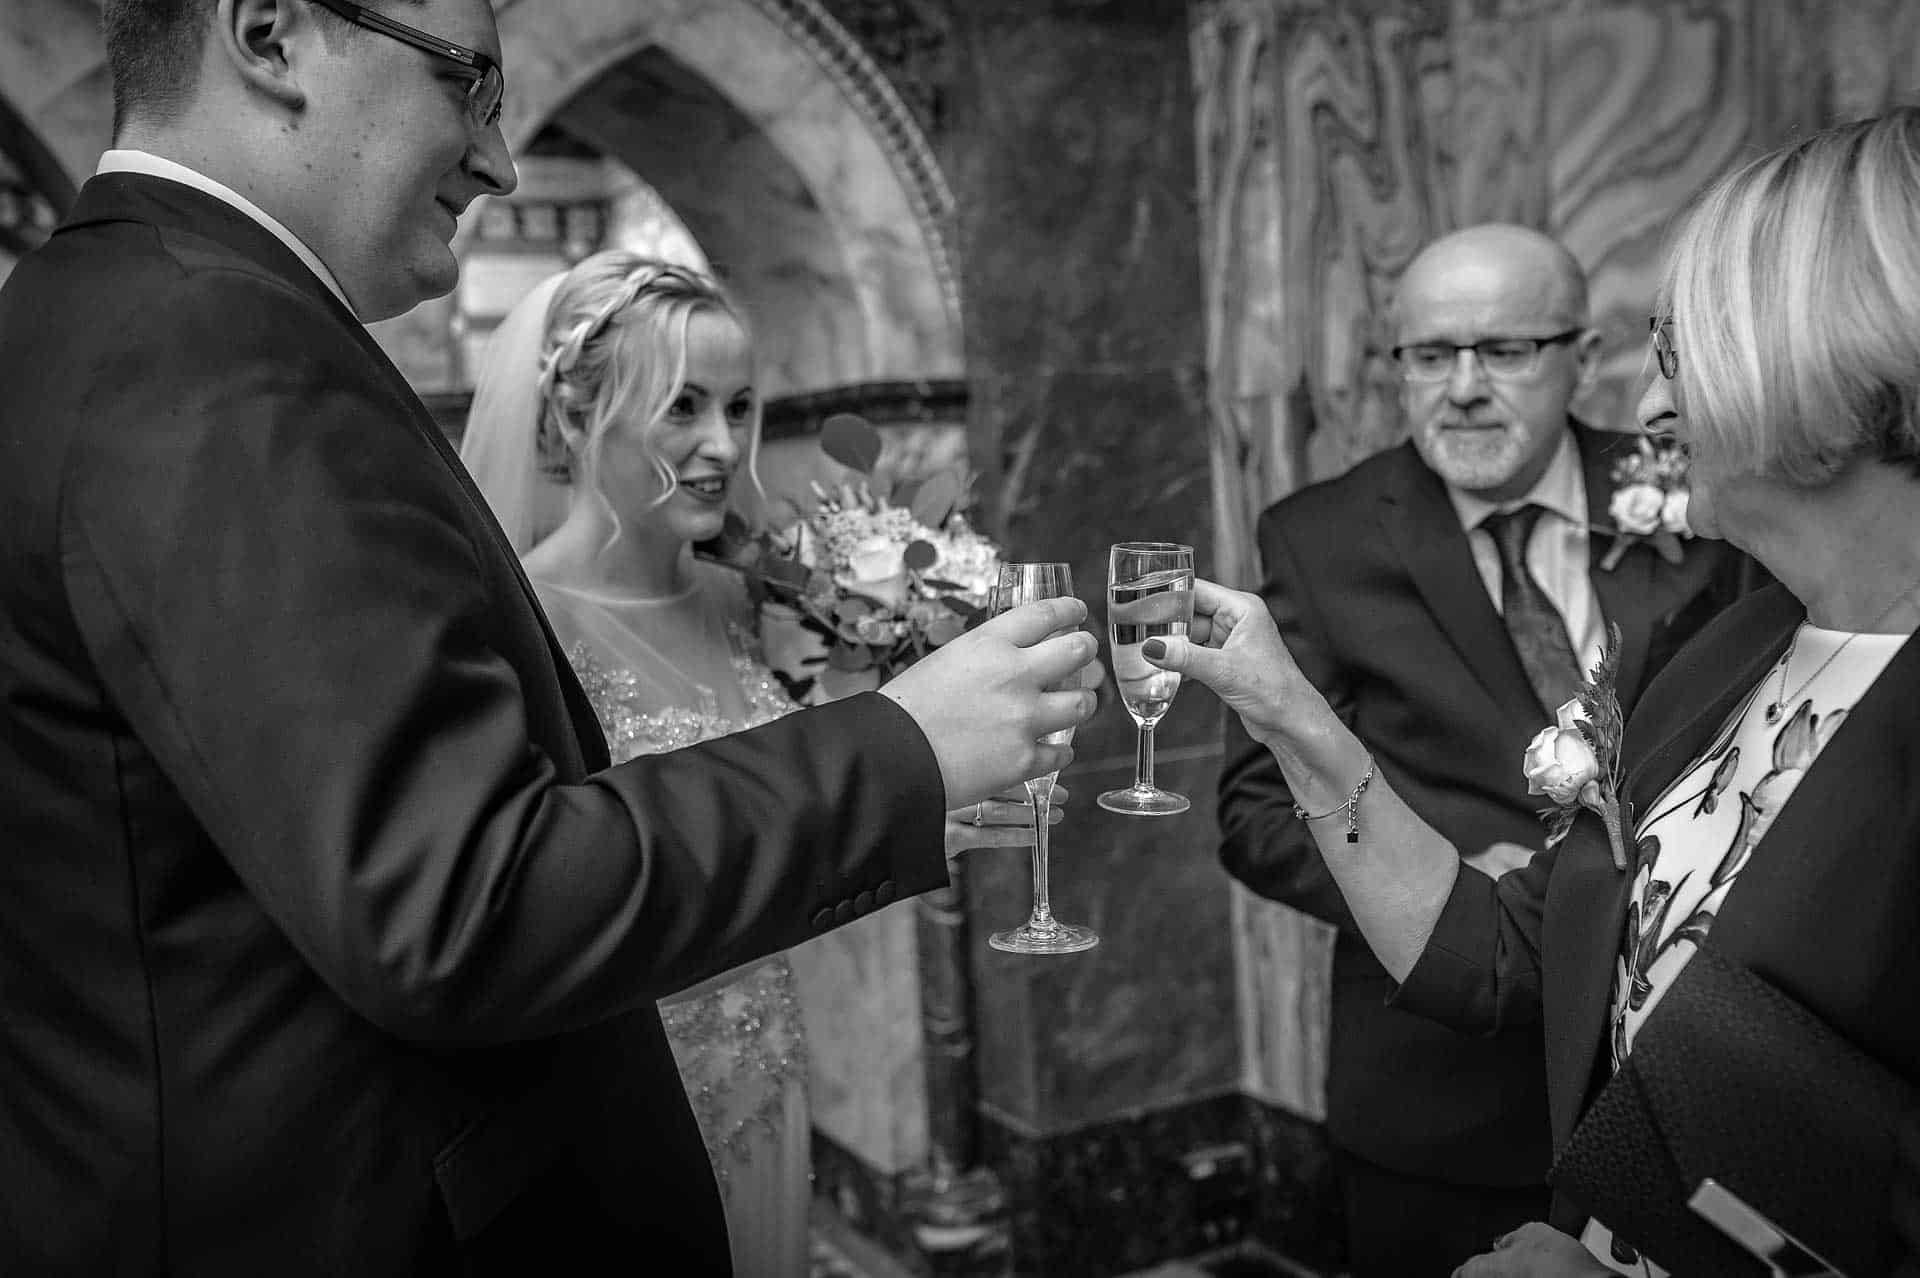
x=1235, y=649
x=1004, y=821
x=1533, y=1251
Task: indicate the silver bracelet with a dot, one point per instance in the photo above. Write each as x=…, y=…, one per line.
x=1351, y=807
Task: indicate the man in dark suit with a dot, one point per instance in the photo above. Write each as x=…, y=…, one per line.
x=1446, y=595
x=328, y=940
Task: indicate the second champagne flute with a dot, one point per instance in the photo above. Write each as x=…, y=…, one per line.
x=1149, y=596
x=1041, y=933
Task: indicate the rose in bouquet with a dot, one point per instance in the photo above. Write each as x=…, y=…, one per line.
x=877, y=574
x=1649, y=501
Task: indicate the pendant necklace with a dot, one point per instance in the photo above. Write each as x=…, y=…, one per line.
x=1778, y=705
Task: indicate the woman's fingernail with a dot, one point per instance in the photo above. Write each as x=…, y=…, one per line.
x=1154, y=649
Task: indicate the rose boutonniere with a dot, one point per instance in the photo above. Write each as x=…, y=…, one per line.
x=1576, y=762
x=875, y=575
x=1649, y=501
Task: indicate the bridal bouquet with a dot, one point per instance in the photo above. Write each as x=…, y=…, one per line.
x=1649, y=501
x=878, y=575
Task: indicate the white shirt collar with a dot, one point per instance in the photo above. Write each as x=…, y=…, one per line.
x=122, y=160
x=1561, y=489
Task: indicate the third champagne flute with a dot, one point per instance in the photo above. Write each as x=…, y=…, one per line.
x=1041, y=933
x=1149, y=596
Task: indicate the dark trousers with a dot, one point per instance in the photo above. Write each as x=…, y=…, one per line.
x=1401, y=1226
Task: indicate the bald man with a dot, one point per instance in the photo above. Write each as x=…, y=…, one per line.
x=1393, y=589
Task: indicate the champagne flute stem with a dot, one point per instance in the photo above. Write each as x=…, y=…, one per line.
x=1143, y=758
x=1041, y=792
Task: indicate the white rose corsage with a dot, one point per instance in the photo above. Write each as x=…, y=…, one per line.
x=1649, y=501
x=1575, y=762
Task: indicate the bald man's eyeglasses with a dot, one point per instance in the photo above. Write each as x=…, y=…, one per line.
x=1508, y=358
x=487, y=88
x=1664, y=353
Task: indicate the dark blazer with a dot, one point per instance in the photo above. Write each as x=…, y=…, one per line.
x=1373, y=583
x=328, y=941
x=1827, y=909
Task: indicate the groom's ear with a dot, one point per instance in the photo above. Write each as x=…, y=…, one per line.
x=266, y=45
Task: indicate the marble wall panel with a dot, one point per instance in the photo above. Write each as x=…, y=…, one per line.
x=1072, y=159
x=1220, y=1177
x=1089, y=457
x=1147, y=1019
x=867, y=1081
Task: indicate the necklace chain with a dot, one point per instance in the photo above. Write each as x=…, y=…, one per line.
x=1778, y=705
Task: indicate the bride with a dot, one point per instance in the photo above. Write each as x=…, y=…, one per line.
x=613, y=422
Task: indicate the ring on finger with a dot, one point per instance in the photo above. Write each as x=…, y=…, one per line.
x=980, y=813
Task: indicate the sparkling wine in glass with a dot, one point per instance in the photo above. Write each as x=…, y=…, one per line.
x=1149, y=596
x=1041, y=933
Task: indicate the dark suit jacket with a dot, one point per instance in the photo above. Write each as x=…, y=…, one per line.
x=328, y=942
x=1827, y=909
x=1373, y=583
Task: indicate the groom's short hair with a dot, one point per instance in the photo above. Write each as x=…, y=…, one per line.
x=153, y=52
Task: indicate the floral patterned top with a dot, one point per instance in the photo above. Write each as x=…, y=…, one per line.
x=1706, y=826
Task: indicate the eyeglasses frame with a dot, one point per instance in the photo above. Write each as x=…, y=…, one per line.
x=472, y=60
x=1539, y=344
x=1665, y=355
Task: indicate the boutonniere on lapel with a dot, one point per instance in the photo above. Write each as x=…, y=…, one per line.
x=1575, y=762
x=1649, y=501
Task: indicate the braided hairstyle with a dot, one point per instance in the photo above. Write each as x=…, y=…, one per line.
x=616, y=347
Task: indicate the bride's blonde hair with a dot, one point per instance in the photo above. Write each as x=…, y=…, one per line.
x=616, y=345
x=583, y=350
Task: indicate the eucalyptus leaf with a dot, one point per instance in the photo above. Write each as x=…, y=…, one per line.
x=852, y=441
x=848, y=658
x=785, y=572
x=944, y=630
x=934, y=502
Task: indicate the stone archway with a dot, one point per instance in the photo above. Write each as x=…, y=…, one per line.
x=783, y=69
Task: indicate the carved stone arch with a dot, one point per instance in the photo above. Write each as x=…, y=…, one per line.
x=878, y=274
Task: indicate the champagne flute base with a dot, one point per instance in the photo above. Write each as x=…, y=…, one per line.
x=1144, y=801
x=1054, y=938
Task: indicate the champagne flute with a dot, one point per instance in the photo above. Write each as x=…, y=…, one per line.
x=1041, y=933
x=1149, y=595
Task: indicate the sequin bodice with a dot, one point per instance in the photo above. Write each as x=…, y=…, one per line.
x=739, y=1043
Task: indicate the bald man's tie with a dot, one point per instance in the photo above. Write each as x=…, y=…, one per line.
x=1539, y=631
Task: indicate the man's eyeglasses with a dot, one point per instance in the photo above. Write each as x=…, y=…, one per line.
x=1503, y=357
x=1664, y=353
x=488, y=88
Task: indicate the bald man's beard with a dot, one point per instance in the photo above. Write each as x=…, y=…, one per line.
x=1474, y=460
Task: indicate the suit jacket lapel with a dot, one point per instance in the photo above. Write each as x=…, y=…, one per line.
x=1586, y=910
x=1625, y=591
x=159, y=201
x=1587, y=901
x=1425, y=530
x=1663, y=739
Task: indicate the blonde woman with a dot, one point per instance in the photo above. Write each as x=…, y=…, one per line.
x=615, y=423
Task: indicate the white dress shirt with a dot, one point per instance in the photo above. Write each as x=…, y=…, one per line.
x=129, y=161
x=1556, y=552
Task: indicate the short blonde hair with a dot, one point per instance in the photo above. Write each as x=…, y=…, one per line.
x=616, y=345
x=1794, y=287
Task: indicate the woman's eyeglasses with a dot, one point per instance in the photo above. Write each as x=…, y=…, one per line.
x=1664, y=353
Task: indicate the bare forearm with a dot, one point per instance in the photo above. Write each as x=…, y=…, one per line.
x=1399, y=872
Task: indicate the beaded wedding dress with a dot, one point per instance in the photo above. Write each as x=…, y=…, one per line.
x=662, y=674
